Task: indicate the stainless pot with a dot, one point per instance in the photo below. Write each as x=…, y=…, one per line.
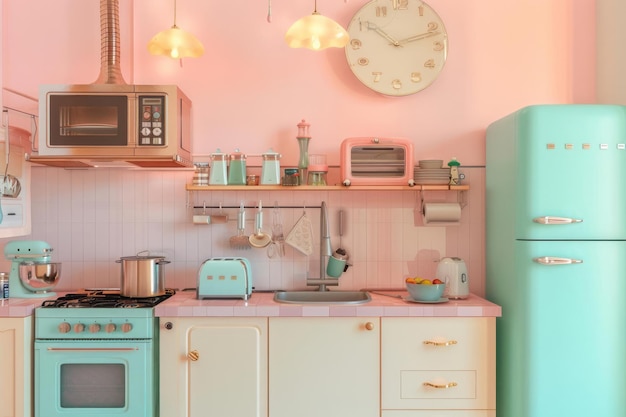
x=142, y=276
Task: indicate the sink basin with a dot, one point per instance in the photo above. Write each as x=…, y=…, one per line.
x=322, y=297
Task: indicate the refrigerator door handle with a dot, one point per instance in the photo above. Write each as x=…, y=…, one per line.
x=555, y=260
x=556, y=220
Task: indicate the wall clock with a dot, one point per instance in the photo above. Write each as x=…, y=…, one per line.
x=397, y=47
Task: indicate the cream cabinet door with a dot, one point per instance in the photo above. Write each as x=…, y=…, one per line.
x=213, y=367
x=16, y=341
x=324, y=367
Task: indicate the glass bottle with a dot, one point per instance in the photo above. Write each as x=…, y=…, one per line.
x=303, y=143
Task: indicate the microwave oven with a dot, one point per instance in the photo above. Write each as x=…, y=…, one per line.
x=113, y=124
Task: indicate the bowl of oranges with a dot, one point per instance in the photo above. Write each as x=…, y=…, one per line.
x=425, y=289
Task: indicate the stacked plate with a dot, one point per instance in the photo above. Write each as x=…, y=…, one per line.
x=431, y=172
x=431, y=175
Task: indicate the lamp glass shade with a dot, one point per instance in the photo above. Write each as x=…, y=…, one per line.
x=175, y=43
x=316, y=32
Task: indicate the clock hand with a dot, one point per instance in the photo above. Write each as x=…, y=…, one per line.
x=417, y=37
x=374, y=26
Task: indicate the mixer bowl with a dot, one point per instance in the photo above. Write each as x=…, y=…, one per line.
x=40, y=276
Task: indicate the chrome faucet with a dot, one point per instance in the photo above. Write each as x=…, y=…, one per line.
x=325, y=251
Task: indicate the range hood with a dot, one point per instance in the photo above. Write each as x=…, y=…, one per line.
x=69, y=162
x=110, y=123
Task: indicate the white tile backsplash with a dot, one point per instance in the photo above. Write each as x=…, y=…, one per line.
x=93, y=217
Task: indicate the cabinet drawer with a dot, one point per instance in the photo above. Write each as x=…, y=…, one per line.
x=434, y=343
x=438, y=350
x=437, y=384
x=438, y=413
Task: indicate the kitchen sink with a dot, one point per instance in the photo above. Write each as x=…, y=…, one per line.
x=322, y=297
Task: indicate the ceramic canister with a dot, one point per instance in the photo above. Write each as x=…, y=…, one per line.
x=219, y=167
x=270, y=170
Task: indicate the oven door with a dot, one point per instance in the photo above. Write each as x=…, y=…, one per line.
x=94, y=378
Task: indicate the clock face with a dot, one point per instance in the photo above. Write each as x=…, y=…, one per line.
x=397, y=47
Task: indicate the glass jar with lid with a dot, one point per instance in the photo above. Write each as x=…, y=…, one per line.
x=219, y=168
x=270, y=169
x=237, y=168
x=317, y=171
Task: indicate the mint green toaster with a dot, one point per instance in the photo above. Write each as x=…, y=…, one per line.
x=229, y=277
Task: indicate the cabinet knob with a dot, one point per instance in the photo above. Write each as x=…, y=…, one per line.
x=369, y=325
x=194, y=355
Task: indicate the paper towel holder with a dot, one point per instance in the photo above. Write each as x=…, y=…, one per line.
x=461, y=198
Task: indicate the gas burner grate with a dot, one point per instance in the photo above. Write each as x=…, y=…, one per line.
x=102, y=299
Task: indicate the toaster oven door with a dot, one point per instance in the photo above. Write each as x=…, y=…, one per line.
x=378, y=162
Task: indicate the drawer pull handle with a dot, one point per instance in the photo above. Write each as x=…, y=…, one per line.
x=194, y=355
x=440, y=386
x=448, y=343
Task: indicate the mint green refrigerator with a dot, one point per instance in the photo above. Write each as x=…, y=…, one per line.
x=556, y=259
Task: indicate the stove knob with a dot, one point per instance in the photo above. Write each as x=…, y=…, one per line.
x=79, y=327
x=64, y=327
x=127, y=327
x=94, y=328
x=109, y=328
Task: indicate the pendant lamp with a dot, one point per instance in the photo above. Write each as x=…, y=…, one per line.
x=175, y=43
x=316, y=32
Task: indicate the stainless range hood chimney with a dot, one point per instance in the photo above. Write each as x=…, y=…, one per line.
x=110, y=69
x=101, y=124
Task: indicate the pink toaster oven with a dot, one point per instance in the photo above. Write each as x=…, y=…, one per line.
x=377, y=161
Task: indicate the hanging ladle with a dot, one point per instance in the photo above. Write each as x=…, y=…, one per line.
x=259, y=239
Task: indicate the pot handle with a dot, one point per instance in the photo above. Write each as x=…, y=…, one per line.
x=163, y=262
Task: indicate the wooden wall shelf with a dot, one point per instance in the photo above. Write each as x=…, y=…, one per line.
x=417, y=187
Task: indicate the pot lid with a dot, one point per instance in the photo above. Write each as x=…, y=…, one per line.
x=141, y=257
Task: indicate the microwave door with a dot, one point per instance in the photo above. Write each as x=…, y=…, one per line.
x=88, y=120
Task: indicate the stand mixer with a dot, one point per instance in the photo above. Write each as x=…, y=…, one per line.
x=32, y=274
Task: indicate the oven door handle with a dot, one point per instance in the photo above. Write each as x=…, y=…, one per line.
x=92, y=349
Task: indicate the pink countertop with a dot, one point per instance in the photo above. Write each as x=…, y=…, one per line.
x=184, y=304
x=21, y=307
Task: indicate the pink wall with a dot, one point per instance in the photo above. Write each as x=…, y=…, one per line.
x=250, y=90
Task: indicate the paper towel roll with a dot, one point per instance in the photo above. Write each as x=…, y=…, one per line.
x=441, y=214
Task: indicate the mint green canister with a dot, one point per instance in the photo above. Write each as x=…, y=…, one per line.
x=237, y=168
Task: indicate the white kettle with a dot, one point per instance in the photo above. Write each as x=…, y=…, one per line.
x=453, y=272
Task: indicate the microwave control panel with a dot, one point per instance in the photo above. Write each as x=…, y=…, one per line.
x=152, y=122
